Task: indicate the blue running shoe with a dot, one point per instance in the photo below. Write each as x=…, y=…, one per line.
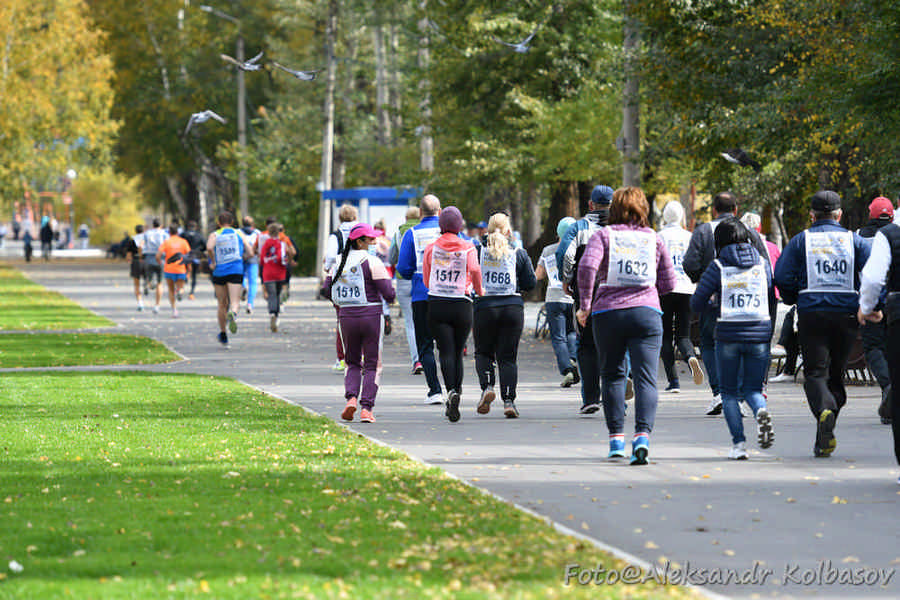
x=640, y=449
x=616, y=446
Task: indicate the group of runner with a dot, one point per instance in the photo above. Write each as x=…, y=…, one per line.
x=234, y=257
x=620, y=296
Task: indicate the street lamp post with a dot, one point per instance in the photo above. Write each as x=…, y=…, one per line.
x=241, y=108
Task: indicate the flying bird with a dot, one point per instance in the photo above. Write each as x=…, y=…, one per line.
x=202, y=117
x=741, y=158
x=302, y=75
x=249, y=65
x=521, y=47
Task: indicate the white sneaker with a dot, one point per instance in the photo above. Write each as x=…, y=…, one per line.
x=739, y=452
x=696, y=371
x=156, y=310
x=715, y=406
x=781, y=378
x=568, y=379
x=434, y=399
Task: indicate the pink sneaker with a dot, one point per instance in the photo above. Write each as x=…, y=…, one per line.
x=366, y=416
x=347, y=415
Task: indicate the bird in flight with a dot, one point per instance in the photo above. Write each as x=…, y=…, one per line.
x=249, y=65
x=520, y=47
x=302, y=75
x=202, y=117
x=741, y=158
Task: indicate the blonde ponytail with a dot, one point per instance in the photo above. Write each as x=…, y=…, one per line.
x=498, y=236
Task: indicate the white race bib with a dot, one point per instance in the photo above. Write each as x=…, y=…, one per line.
x=421, y=239
x=744, y=294
x=498, y=275
x=448, y=273
x=553, y=281
x=350, y=288
x=677, y=248
x=632, y=259
x=228, y=247
x=829, y=261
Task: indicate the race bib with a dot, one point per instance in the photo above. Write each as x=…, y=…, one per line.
x=350, y=288
x=632, y=259
x=744, y=294
x=421, y=239
x=498, y=275
x=829, y=261
x=228, y=247
x=448, y=273
x=677, y=248
x=553, y=280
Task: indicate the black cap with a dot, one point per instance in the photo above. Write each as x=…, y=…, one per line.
x=826, y=201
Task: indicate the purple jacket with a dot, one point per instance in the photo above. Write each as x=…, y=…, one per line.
x=596, y=297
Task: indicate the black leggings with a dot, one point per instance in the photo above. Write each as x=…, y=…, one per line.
x=450, y=321
x=497, y=332
x=676, y=318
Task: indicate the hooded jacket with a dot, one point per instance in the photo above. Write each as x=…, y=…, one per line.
x=572, y=244
x=709, y=288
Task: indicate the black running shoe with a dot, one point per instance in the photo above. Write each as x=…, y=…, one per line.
x=452, y=411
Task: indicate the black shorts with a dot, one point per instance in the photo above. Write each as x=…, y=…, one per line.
x=237, y=278
x=153, y=270
x=137, y=269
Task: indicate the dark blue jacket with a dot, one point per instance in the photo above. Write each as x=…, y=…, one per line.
x=790, y=274
x=710, y=286
x=406, y=263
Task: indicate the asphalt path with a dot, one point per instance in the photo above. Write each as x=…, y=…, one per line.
x=782, y=524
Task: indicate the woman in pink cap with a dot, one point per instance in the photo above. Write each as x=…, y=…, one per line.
x=357, y=285
x=451, y=271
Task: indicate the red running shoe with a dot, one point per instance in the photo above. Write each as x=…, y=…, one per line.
x=347, y=415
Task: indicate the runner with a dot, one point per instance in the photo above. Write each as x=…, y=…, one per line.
x=251, y=264
x=874, y=334
x=819, y=271
x=153, y=239
x=275, y=256
x=382, y=251
x=625, y=269
x=568, y=254
x=358, y=285
x=450, y=266
x=499, y=315
x=404, y=289
x=409, y=264
x=739, y=281
x=226, y=249
x=882, y=273
x=134, y=251
x=676, y=306
x=701, y=251
x=558, y=307
x=173, y=254
x=198, y=249
x=334, y=248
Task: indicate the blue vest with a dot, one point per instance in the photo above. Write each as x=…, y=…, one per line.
x=229, y=253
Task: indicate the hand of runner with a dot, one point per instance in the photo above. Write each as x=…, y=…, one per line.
x=582, y=316
x=873, y=317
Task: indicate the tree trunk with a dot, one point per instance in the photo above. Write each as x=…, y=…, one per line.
x=394, y=91
x=177, y=197
x=631, y=145
x=426, y=143
x=382, y=118
x=564, y=201
x=515, y=209
x=533, y=215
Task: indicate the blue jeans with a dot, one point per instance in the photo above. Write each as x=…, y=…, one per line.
x=251, y=281
x=637, y=331
x=589, y=362
x=742, y=372
x=562, y=333
x=708, y=321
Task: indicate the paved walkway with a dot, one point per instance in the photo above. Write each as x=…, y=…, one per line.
x=782, y=510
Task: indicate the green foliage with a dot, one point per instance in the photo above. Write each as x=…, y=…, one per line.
x=108, y=202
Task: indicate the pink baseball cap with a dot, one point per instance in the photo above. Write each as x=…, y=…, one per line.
x=362, y=230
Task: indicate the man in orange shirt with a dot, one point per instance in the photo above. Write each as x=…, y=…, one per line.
x=172, y=254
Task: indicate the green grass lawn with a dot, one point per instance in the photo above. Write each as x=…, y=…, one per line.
x=132, y=485
x=19, y=350
x=25, y=305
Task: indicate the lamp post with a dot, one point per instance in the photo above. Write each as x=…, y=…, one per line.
x=241, y=107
